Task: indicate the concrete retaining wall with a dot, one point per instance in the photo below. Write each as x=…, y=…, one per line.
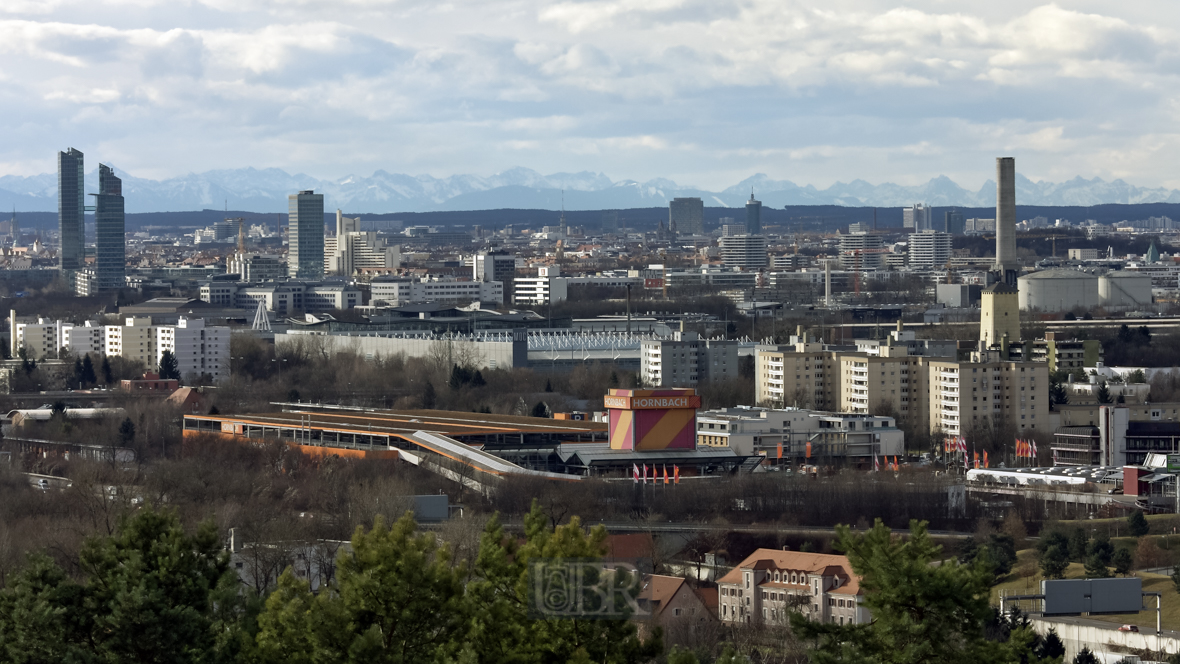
x=1105, y=639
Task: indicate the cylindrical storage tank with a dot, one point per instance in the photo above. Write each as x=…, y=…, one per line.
x=1053, y=291
x=1124, y=290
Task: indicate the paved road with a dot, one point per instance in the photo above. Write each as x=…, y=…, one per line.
x=54, y=482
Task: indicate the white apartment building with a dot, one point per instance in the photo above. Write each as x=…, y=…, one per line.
x=528, y=291
x=397, y=291
x=199, y=349
x=282, y=297
x=89, y=337
x=929, y=249
x=686, y=360
x=747, y=251
x=747, y=431
x=351, y=248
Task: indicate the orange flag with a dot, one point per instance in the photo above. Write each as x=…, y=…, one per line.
x=809, y=449
x=665, y=475
x=985, y=459
x=780, y=449
x=676, y=473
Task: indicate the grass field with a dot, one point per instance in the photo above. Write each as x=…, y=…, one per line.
x=1015, y=584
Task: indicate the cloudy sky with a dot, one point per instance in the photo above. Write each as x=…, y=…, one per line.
x=704, y=92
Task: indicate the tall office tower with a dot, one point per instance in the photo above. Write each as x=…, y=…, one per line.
x=917, y=217
x=71, y=210
x=110, y=249
x=753, y=215
x=954, y=222
x=688, y=214
x=305, y=247
x=1007, y=264
x=610, y=222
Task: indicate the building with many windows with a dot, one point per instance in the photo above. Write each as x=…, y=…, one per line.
x=110, y=264
x=687, y=216
x=71, y=210
x=492, y=267
x=200, y=350
x=305, y=214
x=351, y=249
x=745, y=251
x=397, y=291
x=783, y=435
x=929, y=249
x=967, y=396
x=770, y=584
x=753, y=216
x=687, y=360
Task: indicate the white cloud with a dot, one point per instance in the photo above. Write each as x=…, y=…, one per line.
x=635, y=88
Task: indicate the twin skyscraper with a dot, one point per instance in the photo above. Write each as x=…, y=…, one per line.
x=110, y=254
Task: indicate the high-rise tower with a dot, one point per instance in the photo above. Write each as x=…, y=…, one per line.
x=1007, y=265
x=305, y=252
x=688, y=214
x=71, y=210
x=110, y=251
x=753, y=215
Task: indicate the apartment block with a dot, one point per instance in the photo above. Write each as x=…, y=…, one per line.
x=199, y=349
x=134, y=340
x=963, y=395
x=800, y=374
x=686, y=360
x=41, y=340
x=770, y=584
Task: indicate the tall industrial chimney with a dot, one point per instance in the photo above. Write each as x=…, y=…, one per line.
x=1007, y=265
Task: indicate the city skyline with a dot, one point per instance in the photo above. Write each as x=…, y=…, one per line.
x=697, y=93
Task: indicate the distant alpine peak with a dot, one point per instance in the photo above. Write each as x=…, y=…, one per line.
x=266, y=190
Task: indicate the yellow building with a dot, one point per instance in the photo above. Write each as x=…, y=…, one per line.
x=963, y=395
x=999, y=315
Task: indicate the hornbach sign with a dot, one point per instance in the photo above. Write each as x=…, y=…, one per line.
x=651, y=403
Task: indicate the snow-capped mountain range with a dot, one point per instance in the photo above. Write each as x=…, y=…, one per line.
x=253, y=190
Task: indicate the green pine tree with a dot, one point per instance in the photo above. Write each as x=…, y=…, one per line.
x=1137, y=524
x=169, y=367
x=1096, y=568
x=921, y=613
x=1122, y=561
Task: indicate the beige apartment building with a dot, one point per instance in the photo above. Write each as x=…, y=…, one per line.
x=964, y=394
x=800, y=374
x=136, y=340
x=770, y=584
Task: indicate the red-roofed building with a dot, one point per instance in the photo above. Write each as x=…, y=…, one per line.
x=770, y=583
x=671, y=603
x=151, y=382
